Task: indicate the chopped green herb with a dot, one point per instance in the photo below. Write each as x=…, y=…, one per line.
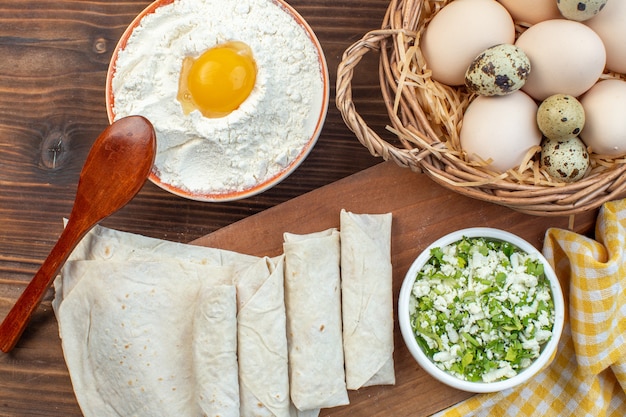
x=483, y=309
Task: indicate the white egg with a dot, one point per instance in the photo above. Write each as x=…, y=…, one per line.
x=459, y=32
x=567, y=57
x=610, y=25
x=501, y=129
x=605, y=118
x=530, y=12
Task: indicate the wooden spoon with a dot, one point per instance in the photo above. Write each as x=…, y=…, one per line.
x=115, y=170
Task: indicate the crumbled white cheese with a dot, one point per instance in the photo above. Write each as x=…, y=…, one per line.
x=477, y=311
x=505, y=372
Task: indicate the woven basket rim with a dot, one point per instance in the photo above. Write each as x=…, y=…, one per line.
x=428, y=150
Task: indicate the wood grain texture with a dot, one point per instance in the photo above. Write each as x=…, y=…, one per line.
x=54, y=57
x=128, y=148
x=422, y=212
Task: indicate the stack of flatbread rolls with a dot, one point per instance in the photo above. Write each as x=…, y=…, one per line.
x=157, y=328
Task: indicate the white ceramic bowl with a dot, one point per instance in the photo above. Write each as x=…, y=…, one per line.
x=426, y=363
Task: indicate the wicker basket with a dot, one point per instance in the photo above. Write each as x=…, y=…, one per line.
x=425, y=120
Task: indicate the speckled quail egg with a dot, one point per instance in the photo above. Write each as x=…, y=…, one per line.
x=560, y=116
x=565, y=160
x=580, y=10
x=498, y=71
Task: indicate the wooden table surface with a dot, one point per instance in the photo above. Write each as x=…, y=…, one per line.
x=54, y=58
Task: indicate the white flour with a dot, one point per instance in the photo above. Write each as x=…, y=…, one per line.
x=255, y=142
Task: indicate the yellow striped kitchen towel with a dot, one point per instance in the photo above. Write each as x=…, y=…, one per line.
x=588, y=375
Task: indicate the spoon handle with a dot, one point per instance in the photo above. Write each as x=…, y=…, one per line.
x=15, y=322
x=115, y=170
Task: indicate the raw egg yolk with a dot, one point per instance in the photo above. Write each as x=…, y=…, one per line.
x=218, y=81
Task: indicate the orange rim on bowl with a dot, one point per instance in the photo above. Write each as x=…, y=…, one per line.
x=261, y=186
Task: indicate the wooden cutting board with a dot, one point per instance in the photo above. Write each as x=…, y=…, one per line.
x=422, y=212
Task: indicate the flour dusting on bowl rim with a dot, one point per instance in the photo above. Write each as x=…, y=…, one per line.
x=283, y=164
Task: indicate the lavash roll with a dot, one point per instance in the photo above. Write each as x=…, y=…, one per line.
x=313, y=305
x=214, y=352
x=138, y=336
x=261, y=330
x=262, y=350
x=367, y=299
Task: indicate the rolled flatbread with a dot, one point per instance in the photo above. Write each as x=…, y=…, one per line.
x=214, y=352
x=263, y=363
x=150, y=338
x=313, y=304
x=367, y=299
x=262, y=348
x=102, y=243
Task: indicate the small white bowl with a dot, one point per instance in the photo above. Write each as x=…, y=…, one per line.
x=426, y=363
